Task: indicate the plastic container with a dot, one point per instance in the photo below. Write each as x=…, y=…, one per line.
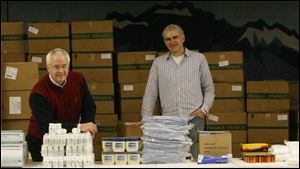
x=121, y=158
x=133, y=158
x=108, y=158
x=132, y=144
x=119, y=144
x=107, y=143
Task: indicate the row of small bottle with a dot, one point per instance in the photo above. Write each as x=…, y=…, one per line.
x=67, y=139
x=121, y=158
x=120, y=144
x=69, y=162
x=68, y=150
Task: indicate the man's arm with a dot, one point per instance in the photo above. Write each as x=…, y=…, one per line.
x=151, y=92
x=42, y=113
x=207, y=86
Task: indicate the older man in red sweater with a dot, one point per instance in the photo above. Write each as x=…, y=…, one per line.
x=60, y=97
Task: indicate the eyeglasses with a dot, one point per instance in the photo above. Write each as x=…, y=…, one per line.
x=58, y=67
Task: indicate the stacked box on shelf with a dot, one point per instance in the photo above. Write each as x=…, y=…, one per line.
x=133, y=72
x=12, y=42
x=294, y=110
x=92, y=36
x=42, y=38
x=103, y=95
x=228, y=111
x=107, y=127
x=267, y=107
x=17, y=78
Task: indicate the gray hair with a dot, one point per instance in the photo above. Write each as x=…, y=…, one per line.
x=55, y=52
x=173, y=27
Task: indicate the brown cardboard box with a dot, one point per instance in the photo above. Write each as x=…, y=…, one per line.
x=19, y=75
x=132, y=90
x=48, y=37
x=134, y=66
x=236, y=150
x=267, y=96
x=268, y=119
x=92, y=36
x=103, y=94
x=214, y=143
x=228, y=105
x=13, y=57
x=16, y=125
x=294, y=95
x=107, y=123
x=16, y=105
x=132, y=105
x=38, y=58
x=235, y=122
x=229, y=90
x=126, y=129
x=96, y=75
x=131, y=117
x=12, y=37
x=268, y=135
x=226, y=66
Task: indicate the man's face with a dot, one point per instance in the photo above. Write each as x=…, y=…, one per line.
x=174, y=41
x=58, y=68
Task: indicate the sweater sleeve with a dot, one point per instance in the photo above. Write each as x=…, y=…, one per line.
x=88, y=106
x=43, y=115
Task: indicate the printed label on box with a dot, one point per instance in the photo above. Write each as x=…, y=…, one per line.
x=213, y=117
x=128, y=87
x=223, y=63
x=14, y=105
x=282, y=117
x=236, y=88
x=149, y=57
x=11, y=73
x=33, y=30
x=36, y=59
x=106, y=56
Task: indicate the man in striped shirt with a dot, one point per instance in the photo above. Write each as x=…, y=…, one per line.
x=182, y=80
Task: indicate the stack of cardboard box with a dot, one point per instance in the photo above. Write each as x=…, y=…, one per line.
x=42, y=38
x=17, y=78
x=228, y=111
x=267, y=107
x=133, y=72
x=92, y=56
x=12, y=42
x=294, y=110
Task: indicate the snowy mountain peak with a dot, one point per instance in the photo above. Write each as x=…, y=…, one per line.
x=266, y=36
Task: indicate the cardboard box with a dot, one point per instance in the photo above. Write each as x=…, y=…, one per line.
x=19, y=75
x=126, y=129
x=134, y=67
x=268, y=119
x=267, y=96
x=92, y=36
x=294, y=95
x=107, y=123
x=215, y=143
x=38, y=58
x=16, y=125
x=132, y=90
x=103, y=95
x=131, y=106
x=268, y=135
x=131, y=117
x=12, y=37
x=13, y=57
x=226, y=66
x=16, y=105
x=229, y=90
x=43, y=37
x=228, y=105
x=236, y=150
x=236, y=123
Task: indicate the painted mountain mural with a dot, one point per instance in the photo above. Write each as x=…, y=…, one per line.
x=270, y=51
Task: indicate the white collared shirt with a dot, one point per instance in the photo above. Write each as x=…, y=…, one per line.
x=61, y=86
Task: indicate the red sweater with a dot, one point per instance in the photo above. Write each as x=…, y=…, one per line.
x=52, y=104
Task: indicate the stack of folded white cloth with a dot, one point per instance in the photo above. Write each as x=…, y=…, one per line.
x=281, y=152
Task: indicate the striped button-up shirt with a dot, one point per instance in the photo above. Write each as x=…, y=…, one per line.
x=182, y=88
